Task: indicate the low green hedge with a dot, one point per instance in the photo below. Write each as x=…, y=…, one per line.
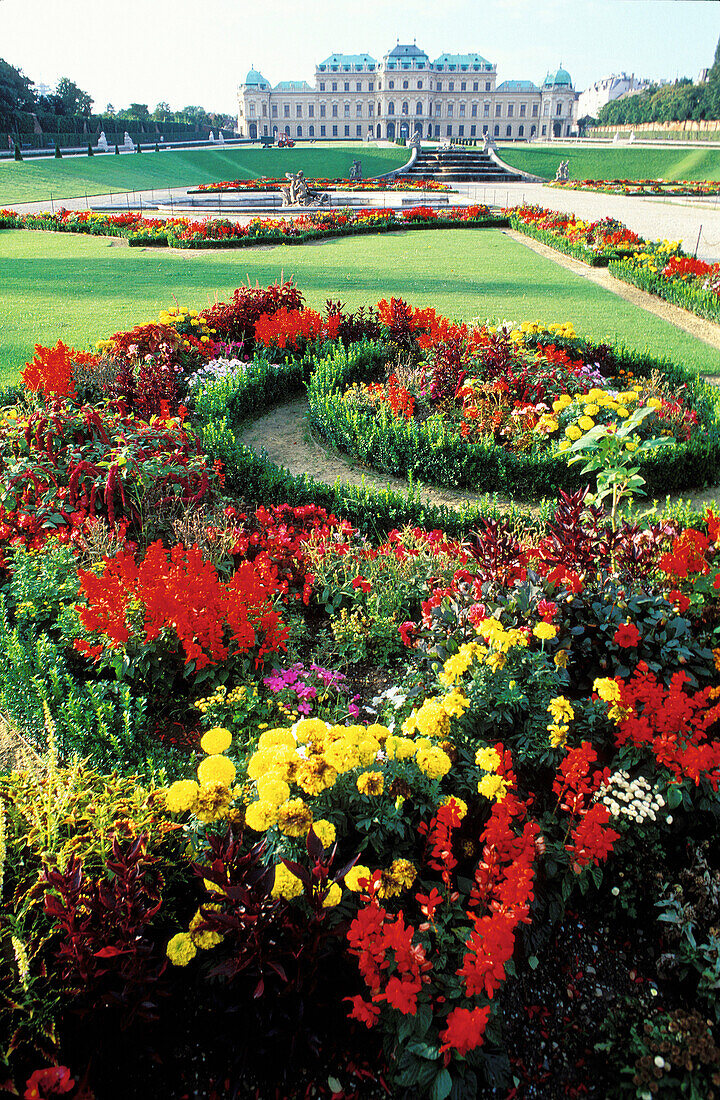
x=705, y=303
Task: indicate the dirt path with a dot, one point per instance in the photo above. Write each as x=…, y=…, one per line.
x=283, y=435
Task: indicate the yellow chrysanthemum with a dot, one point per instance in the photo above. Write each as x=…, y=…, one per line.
x=181, y=949
x=216, y=740
x=573, y=432
x=310, y=728
x=181, y=796
x=216, y=769
x=586, y=423
x=455, y=704
x=274, y=738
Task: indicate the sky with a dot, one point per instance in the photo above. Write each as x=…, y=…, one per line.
x=191, y=52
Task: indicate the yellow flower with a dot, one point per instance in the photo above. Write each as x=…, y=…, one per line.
x=181, y=796
x=487, y=759
x=493, y=787
x=216, y=740
x=315, y=775
x=355, y=874
x=216, y=769
x=286, y=884
x=259, y=763
x=561, y=709
x=573, y=432
x=545, y=631
x=275, y=738
x=404, y=871
x=325, y=832
x=213, y=802
x=260, y=815
x=561, y=658
x=564, y=445
x=399, y=748
x=310, y=728
x=586, y=423
x=371, y=784
x=607, y=689
x=592, y=410
x=204, y=938
x=433, y=762
x=455, y=704
x=622, y=411
x=295, y=818
x=654, y=403
x=368, y=750
x=333, y=896
x=273, y=790
x=558, y=735
x=181, y=949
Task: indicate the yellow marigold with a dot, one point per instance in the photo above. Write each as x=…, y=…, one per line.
x=181, y=949
x=333, y=896
x=564, y=445
x=325, y=831
x=558, y=735
x=573, y=432
x=496, y=661
x=357, y=874
x=431, y=719
x=294, y=818
x=561, y=658
x=380, y=733
x=274, y=738
x=592, y=410
x=286, y=884
x=545, y=631
x=204, y=938
x=410, y=724
x=399, y=748
x=315, y=775
x=404, y=871
x=453, y=800
x=654, y=403
x=371, y=784
x=458, y=664
x=260, y=763
x=308, y=728
x=216, y=769
x=368, y=750
x=181, y=796
x=213, y=802
x=216, y=740
x=607, y=689
x=561, y=709
x=586, y=423
x=273, y=790
x=260, y=816
x=342, y=755
x=455, y=704
x=487, y=759
x=433, y=762
x=493, y=787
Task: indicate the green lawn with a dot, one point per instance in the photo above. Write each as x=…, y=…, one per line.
x=73, y=177
x=81, y=289
x=615, y=163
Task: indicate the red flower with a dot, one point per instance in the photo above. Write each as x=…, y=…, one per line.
x=360, y=582
x=680, y=600
x=627, y=636
x=363, y=1011
x=465, y=1029
x=48, y=1082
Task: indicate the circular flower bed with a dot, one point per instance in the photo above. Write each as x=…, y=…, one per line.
x=508, y=407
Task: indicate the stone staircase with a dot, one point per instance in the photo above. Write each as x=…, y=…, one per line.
x=462, y=165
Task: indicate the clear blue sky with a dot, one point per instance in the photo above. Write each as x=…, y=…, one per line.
x=197, y=51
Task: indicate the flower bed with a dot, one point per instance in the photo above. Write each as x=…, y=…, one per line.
x=594, y=243
x=271, y=183
x=479, y=408
x=222, y=233
x=662, y=268
x=300, y=811
x=697, y=188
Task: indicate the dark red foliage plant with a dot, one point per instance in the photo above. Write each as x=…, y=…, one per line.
x=105, y=951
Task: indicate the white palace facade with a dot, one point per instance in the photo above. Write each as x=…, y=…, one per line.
x=455, y=96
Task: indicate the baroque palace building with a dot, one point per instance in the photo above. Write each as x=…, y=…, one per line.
x=455, y=96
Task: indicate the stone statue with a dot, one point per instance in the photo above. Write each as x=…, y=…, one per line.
x=102, y=142
x=416, y=140
x=221, y=138
x=128, y=141
x=299, y=194
x=355, y=171
x=563, y=172
x=211, y=137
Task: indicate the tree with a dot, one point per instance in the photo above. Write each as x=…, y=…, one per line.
x=139, y=111
x=109, y=110
x=16, y=93
x=73, y=99
x=162, y=112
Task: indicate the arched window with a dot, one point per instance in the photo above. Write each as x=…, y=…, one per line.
x=521, y=131
x=418, y=108
x=405, y=107
x=391, y=108
x=287, y=131
x=299, y=131
x=311, y=131
x=497, y=131
x=508, y=131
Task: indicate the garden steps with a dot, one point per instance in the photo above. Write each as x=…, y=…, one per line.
x=462, y=166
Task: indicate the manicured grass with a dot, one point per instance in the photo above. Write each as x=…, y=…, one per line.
x=616, y=163
x=81, y=289
x=74, y=177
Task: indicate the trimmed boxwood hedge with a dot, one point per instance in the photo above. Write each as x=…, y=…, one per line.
x=687, y=295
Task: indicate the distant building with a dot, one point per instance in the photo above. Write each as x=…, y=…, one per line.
x=605, y=91
x=455, y=96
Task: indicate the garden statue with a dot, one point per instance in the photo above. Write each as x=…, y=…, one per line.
x=355, y=171
x=102, y=142
x=563, y=172
x=128, y=141
x=415, y=140
x=299, y=194
x=221, y=138
x=211, y=137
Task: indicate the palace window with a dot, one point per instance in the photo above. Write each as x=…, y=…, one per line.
x=473, y=131
x=498, y=110
x=358, y=131
x=371, y=87
x=406, y=85
x=463, y=86
x=451, y=86
x=523, y=108
x=544, y=131
x=298, y=110
x=347, y=131
x=391, y=84
x=497, y=131
x=546, y=108
x=251, y=110
x=274, y=110
x=438, y=110
x=322, y=110
x=476, y=86
x=346, y=86
x=335, y=131
x=391, y=108
x=405, y=109
x=508, y=131
x=322, y=86
x=449, y=131
x=346, y=110
x=358, y=109
x=286, y=110
x=462, y=110
x=450, y=108
x=311, y=110
x=371, y=109
x=461, y=131
x=334, y=110
x=535, y=110
x=418, y=108
x=486, y=110
x=334, y=87
x=311, y=131
x=511, y=109
x=488, y=85
x=559, y=109
x=473, y=110
x=358, y=87
x=521, y=131
x=299, y=131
